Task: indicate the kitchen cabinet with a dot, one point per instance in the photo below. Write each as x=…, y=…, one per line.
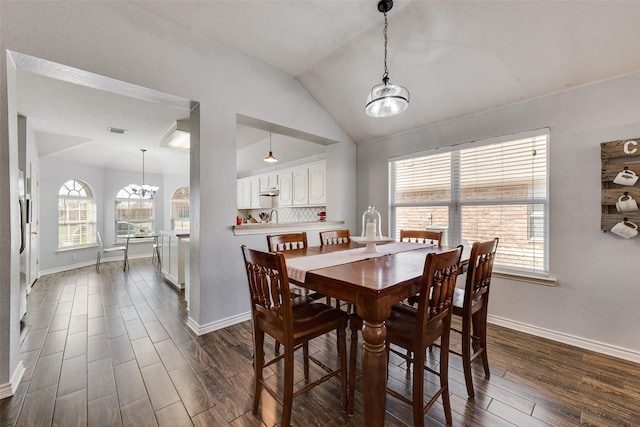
x=317, y=184
x=268, y=181
x=172, y=256
x=254, y=188
x=247, y=193
x=300, y=186
x=286, y=187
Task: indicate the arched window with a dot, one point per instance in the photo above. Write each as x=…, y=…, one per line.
x=76, y=215
x=180, y=209
x=134, y=214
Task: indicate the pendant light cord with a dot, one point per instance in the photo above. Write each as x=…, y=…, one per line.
x=385, y=76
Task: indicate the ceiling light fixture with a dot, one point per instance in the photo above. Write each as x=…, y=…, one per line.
x=270, y=158
x=386, y=99
x=144, y=191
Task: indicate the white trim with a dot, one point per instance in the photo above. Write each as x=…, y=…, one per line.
x=62, y=268
x=587, y=344
x=9, y=389
x=527, y=278
x=218, y=324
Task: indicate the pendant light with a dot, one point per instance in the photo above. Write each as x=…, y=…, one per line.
x=386, y=99
x=270, y=158
x=144, y=191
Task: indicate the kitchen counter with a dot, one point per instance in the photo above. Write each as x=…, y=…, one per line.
x=284, y=227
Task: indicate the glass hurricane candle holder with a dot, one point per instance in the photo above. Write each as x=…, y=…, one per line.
x=371, y=224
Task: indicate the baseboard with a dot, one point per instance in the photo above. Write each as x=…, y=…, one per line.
x=63, y=268
x=587, y=344
x=219, y=324
x=9, y=389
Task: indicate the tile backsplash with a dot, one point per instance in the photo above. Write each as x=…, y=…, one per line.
x=288, y=214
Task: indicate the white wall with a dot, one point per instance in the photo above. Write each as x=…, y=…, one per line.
x=117, y=40
x=595, y=302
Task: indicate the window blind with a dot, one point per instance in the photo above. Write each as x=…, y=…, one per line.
x=479, y=191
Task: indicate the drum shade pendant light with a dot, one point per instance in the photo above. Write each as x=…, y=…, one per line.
x=386, y=99
x=270, y=158
x=144, y=191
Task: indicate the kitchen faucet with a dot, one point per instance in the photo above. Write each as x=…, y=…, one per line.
x=273, y=214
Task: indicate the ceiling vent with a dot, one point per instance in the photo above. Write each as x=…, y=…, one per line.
x=117, y=130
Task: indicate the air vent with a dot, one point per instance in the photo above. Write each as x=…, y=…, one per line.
x=117, y=130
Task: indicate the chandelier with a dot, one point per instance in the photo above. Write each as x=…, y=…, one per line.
x=144, y=191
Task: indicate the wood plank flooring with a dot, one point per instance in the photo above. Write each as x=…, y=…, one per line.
x=111, y=349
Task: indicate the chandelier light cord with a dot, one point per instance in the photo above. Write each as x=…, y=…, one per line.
x=385, y=76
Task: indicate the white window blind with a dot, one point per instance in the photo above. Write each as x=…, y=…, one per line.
x=76, y=215
x=478, y=191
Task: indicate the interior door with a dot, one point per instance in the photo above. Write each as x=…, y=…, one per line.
x=34, y=228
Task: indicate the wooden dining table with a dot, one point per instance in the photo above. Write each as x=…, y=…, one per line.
x=373, y=285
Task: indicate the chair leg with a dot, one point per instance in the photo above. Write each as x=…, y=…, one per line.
x=444, y=375
x=276, y=347
x=480, y=334
x=466, y=354
x=258, y=363
x=342, y=339
x=98, y=262
x=305, y=359
x=353, y=355
x=418, y=389
x=287, y=400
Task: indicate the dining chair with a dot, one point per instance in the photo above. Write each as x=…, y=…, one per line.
x=106, y=250
x=292, y=325
x=414, y=329
x=334, y=237
x=421, y=236
x=471, y=304
x=286, y=242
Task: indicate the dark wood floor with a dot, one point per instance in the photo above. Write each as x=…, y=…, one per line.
x=111, y=350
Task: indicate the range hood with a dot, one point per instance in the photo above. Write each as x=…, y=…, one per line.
x=270, y=192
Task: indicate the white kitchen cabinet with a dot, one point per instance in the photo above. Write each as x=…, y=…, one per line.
x=243, y=193
x=317, y=184
x=172, y=256
x=286, y=188
x=254, y=188
x=247, y=193
x=268, y=181
x=300, y=186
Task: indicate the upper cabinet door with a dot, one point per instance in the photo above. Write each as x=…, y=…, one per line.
x=286, y=188
x=300, y=179
x=317, y=184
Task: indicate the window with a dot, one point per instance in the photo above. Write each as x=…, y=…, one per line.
x=478, y=191
x=134, y=214
x=76, y=216
x=180, y=209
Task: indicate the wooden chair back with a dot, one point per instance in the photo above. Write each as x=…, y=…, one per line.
x=286, y=242
x=334, y=237
x=268, y=288
x=479, y=273
x=436, y=292
x=422, y=236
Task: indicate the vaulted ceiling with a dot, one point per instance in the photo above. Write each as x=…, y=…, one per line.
x=456, y=58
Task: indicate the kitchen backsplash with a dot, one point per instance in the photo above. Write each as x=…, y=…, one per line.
x=289, y=214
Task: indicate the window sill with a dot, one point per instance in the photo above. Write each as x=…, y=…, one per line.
x=527, y=278
x=76, y=248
